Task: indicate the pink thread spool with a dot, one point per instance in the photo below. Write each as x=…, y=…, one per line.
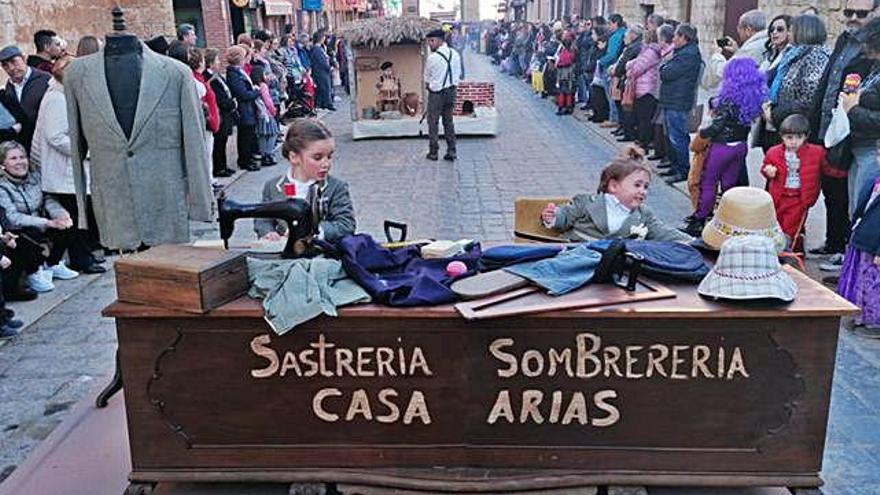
x=456, y=268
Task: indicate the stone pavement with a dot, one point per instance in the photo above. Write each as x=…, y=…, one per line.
x=67, y=350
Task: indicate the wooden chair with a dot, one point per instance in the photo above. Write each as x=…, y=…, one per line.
x=527, y=225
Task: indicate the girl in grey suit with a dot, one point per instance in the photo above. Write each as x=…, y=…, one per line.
x=308, y=146
x=617, y=210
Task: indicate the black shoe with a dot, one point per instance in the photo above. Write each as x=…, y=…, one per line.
x=625, y=139
x=673, y=178
x=92, y=269
x=663, y=165
x=7, y=314
x=449, y=157
x=7, y=332
x=432, y=155
x=331, y=108
x=667, y=173
x=23, y=294
x=224, y=173
x=252, y=167
x=13, y=323
x=657, y=158
x=585, y=107
x=693, y=226
x=825, y=250
x=617, y=132
x=560, y=111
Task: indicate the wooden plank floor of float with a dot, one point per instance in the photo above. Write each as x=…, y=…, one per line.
x=676, y=392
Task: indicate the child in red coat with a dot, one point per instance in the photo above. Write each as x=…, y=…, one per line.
x=793, y=170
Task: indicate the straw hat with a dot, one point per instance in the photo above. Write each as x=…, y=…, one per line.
x=744, y=211
x=748, y=268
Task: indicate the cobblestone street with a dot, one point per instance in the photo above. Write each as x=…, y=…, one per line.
x=67, y=353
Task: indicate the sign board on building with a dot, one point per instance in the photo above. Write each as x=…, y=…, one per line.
x=313, y=5
x=278, y=7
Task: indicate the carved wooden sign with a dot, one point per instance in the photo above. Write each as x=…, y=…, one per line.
x=559, y=388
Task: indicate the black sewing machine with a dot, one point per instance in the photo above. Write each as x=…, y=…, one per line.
x=302, y=220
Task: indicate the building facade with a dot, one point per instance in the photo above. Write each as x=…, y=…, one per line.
x=19, y=19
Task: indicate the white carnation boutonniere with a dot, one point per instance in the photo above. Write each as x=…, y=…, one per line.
x=639, y=232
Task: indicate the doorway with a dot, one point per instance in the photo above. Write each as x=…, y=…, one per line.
x=733, y=11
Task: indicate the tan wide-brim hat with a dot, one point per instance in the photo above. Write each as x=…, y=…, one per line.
x=744, y=211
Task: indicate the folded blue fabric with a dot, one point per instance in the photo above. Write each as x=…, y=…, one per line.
x=567, y=271
x=664, y=259
x=501, y=256
x=400, y=277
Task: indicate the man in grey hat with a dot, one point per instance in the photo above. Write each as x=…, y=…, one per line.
x=23, y=92
x=442, y=73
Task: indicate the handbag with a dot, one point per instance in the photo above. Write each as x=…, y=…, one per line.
x=616, y=93
x=840, y=155
x=628, y=100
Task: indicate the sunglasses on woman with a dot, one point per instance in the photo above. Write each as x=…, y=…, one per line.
x=861, y=14
x=778, y=29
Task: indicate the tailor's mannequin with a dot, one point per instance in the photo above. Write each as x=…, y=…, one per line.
x=123, y=65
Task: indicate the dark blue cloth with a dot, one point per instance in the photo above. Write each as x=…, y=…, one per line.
x=567, y=271
x=866, y=236
x=662, y=259
x=679, y=77
x=400, y=277
x=244, y=93
x=501, y=256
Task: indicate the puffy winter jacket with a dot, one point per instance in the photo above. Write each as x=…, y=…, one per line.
x=644, y=70
x=25, y=204
x=679, y=77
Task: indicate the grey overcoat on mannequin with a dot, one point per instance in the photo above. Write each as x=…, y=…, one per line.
x=145, y=188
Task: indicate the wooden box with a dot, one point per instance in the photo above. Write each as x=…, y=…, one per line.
x=185, y=278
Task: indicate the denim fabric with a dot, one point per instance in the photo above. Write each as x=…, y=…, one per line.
x=501, y=256
x=567, y=271
x=583, y=92
x=678, y=139
x=400, y=277
x=668, y=260
x=864, y=165
x=612, y=108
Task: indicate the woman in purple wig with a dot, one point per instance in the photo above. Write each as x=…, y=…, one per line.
x=738, y=104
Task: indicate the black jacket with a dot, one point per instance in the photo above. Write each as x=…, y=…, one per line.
x=845, y=59
x=725, y=126
x=629, y=53
x=25, y=111
x=244, y=93
x=864, y=119
x=584, y=47
x=225, y=102
x=679, y=77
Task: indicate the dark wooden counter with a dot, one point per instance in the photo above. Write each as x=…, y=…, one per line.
x=676, y=392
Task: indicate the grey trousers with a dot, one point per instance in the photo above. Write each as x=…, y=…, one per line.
x=440, y=104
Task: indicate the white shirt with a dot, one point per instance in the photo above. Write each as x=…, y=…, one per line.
x=793, y=170
x=19, y=88
x=616, y=213
x=440, y=72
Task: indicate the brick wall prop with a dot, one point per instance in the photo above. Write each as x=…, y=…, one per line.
x=481, y=94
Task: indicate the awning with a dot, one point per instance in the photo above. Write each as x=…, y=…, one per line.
x=278, y=7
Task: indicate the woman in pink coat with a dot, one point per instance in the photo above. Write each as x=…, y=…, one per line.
x=644, y=73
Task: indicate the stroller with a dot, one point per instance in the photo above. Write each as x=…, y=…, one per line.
x=301, y=100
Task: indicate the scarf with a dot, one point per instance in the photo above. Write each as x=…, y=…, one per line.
x=789, y=56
